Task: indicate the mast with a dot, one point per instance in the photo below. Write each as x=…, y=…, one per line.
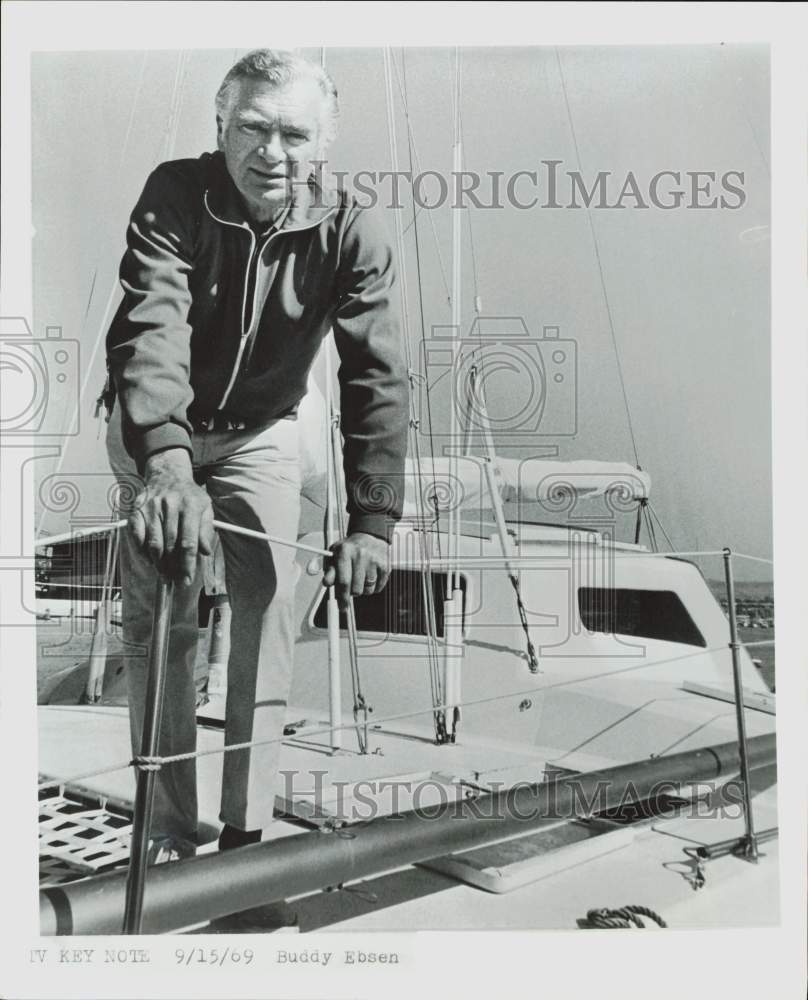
x=331, y=514
x=453, y=604
x=330, y=532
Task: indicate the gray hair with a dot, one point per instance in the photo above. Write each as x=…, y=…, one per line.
x=280, y=68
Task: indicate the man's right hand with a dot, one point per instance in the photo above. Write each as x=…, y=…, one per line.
x=173, y=517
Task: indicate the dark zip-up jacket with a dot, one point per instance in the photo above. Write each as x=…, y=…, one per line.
x=188, y=342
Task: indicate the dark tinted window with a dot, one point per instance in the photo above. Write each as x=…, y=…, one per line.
x=399, y=609
x=648, y=614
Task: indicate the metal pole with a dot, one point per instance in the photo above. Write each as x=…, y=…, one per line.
x=219, y=649
x=98, y=648
x=362, y=735
x=453, y=602
x=332, y=515
x=638, y=523
x=94, y=687
x=724, y=847
x=750, y=847
x=144, y=796
x=189, y=892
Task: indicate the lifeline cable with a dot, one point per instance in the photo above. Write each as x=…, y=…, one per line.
x=325, y=731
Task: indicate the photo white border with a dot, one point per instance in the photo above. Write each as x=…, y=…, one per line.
x=738, y=963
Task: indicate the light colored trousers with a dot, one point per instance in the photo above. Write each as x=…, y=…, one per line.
x=253, y=479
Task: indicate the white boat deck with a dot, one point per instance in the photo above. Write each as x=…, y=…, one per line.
x=402, y=771
x=655, y=872
x=554, y=894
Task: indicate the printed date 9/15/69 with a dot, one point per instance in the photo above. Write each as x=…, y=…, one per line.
x=214, y=956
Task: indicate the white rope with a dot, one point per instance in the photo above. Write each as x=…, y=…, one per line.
x=472, y=562
x=236, y=529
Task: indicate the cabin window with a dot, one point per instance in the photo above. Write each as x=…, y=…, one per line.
x=399, y=609
x=647, y=614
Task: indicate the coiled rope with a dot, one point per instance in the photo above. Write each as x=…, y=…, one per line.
x=626, y=916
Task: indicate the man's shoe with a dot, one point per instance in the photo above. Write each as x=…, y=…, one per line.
x=163, y=849
x=231, y=837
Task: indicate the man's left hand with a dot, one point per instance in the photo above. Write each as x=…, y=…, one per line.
x=360, y=565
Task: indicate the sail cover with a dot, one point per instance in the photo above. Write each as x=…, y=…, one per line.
x=554, y=485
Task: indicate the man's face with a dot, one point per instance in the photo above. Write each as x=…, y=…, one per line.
x=269, y=139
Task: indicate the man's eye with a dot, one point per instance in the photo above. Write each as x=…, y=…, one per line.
x=296, y=136
x=251, y=128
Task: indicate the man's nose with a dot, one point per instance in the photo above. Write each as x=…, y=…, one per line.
x=272, y=148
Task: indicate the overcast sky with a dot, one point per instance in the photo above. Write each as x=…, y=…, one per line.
x=687, y=290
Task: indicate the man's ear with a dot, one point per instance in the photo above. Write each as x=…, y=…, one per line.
x=219, y=132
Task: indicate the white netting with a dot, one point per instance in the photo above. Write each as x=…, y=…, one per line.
x=78, y=836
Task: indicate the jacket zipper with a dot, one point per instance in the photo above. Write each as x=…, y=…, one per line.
x=245, y=334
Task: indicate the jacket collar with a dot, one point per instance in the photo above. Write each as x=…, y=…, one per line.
x=310, y=204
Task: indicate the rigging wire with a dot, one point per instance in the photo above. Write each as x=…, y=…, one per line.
x=649, y=527
x=453, y=581
x=336, y=501
x=473, y=254
x=606, y=301
x=476, y=366
x=411, y=138
x=599, y=265
x=748, y=119
x=661, y=527
x=427, y=591
x=131, y=121
x=477, y=405
x=453, y=598
x=360, y=705
x=419, y=286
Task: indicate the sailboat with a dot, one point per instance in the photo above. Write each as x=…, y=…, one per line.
x=536, y=725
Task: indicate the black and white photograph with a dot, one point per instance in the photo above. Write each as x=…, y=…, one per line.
x=399, y=435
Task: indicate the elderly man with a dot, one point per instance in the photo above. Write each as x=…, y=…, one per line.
x=237, y=265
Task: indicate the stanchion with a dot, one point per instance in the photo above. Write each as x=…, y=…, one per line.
x=750, y=847
x=144, y=796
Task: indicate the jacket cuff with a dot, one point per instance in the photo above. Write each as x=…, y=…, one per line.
x=380, y=525
x=159, y=438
